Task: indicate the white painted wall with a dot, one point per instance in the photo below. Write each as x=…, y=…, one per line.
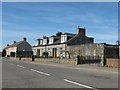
x=49, y=49
x=9, y=50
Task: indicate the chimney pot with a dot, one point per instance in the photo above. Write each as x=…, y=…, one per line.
x=14, y=41
x=117, y=42
x=24, y=39
x=58, y=33
x=7, y=44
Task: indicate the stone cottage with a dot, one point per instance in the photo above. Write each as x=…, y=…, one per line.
x=21, y=48
x=57, y=45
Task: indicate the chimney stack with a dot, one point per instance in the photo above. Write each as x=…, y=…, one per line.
x=7, y=44
x=14, y=41
x=80, y=30
x=24, y=39
x=117, y=42
x=58, y=33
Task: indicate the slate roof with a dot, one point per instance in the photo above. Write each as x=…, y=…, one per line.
x=14, y=44
x=58, y=39
x=73, y=38
x=57, y=42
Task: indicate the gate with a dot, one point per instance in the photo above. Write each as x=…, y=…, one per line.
x=89, y=59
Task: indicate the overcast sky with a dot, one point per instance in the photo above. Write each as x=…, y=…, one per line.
x=33, y=20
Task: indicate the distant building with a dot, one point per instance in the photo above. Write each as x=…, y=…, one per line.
x=21, y=48
x=56, y=45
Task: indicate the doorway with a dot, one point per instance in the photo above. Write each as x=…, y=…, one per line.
x=54, y=52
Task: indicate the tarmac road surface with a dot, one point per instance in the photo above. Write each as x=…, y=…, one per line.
x=17, y=74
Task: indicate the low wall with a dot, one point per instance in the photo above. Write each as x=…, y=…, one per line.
x=110, y=62
x=48, y=60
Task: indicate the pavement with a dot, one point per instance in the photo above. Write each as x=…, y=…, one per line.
x=93, y=67
x=21, y=74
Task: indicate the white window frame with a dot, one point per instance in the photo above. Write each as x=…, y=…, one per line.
x=63, y=38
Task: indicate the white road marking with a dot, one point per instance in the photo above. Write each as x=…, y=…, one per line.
x=21, y=66
x=79, y=84
x=40, y=72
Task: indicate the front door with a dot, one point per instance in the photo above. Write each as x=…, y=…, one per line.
x=38, y=52
x=54, y=52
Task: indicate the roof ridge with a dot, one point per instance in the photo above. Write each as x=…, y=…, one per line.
x=14, y=44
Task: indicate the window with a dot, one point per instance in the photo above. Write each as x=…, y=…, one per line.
x=38, y=42
x=44, y=41
x=63, y=38
x=41, y=42
x=38, y=52
x=50, y=40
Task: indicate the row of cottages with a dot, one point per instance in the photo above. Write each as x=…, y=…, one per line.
x=56, y=46
x=21, y=48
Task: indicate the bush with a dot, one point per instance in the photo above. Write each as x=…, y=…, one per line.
x=45, y=54
x=3, y=53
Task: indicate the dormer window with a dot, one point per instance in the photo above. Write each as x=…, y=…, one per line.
x=44, y=41
x=41, y=42
x=63, y=38
x=51, y=40
x=38, y=42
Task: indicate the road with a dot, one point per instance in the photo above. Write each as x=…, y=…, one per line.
x=19, y=74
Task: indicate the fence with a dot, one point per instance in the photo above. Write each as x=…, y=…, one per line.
x=88, y=59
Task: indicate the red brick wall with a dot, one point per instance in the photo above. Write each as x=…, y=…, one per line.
x=113, y=62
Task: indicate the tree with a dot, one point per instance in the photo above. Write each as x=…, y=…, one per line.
x=3, y=53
